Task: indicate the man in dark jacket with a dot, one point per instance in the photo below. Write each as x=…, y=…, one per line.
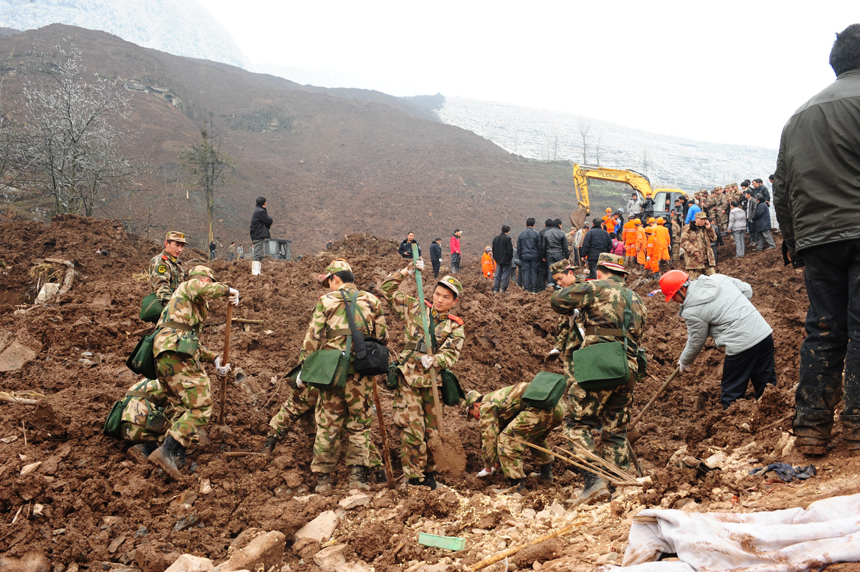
x=212, y=247
x=761, y=220
x=817, y=199
x=435, y=256
x=260, y=223
x=529, y=247
x=751, y=207
x=554, y=248
x=596, y=241
x=542, y=271
x=503, y=254
x=405, y=249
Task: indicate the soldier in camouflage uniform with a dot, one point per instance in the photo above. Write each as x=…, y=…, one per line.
x=506, y=424
x=165, y=270
x=566, y=341
x=147, y=397
x=696, y=242
x=342, y=409
x=602, y=303
x=178, y=353
x=413, y=399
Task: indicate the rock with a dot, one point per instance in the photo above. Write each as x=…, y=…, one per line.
x=543, y=515
x=263, y=552
x=611, y=557
x=30, y=468
x=47, y=292
x=15, y=356
x=331, y=558
x=29, y=562
x=355, y=567
x=716, y=460
x=116, y=543
x=557, y=509
x=358, y=499
x=306, y=548
x=294, y=479
x=431, y=568
x=155, y=556
x=529, y=513
x=189, y=563
x=321, y=528
x=205, y=487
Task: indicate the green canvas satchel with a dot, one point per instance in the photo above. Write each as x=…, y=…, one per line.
x=451, y=393
x=150, y=308
x=545, y=390
x=114, y=418
x=141, y=360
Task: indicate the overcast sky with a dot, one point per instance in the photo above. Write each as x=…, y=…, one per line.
x=716, y=71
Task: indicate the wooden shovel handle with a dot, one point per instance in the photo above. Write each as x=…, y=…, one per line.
x=224, y=362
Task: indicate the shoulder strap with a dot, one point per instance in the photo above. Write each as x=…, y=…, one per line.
x=357, y=336
x=628, y=313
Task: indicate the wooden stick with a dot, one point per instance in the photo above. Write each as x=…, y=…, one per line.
x=8, y=398
x=247, y=321
x=489, y=560
x=437, y=403
x=241, y=453
x=654, y=398
x=24, y=429
x=610, y=467
x=585, y=467
x=386, y=454
x=225, y=361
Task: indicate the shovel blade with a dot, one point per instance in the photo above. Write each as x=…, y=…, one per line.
x=448, y=453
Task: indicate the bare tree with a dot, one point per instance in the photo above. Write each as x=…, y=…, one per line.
x=71, y=130
x=646, y=160
x=206, y=163
x=597, y=147
x=584, y=126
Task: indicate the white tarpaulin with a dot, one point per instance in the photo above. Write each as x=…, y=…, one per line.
x=782, y=541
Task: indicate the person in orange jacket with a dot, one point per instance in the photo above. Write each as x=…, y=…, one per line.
x=652, y=264
x=641, y=243
x=629, y=239
x=488, y=265
x=609, y=221
x=665, y=240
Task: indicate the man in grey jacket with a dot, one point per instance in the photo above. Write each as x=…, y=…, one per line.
x=817, y=200
x=719, y=306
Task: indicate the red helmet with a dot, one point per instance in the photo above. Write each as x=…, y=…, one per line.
x=672, y=281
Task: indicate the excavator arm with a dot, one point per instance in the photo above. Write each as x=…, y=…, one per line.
x=581, y=174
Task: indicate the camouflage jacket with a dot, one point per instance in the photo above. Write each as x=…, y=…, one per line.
x=189, y=305
x=567, y=341
x=696, y=242
x=498, y=408
x=708, y=205
x=329, y=325
x=449, y=331
x=138, y=407
x=601, y=304
x=165, y=275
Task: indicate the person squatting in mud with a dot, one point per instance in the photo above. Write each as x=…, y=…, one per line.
x=413, y=399
x=601, y=304
x=507, y=423
x=178, y=353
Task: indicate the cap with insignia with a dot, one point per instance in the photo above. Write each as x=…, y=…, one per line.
x=452, y=284
x=700, y=214
x=176, y=237
x=560, y=266
x=336, y=266
x=613, y=262
x=201, y=270
x=472, y=397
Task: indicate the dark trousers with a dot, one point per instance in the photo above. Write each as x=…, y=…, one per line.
x=592, y=269
x=832, y=344
x=437, y=264
x=551, y=258
x=211, y=255
x=502, y=278
x=755, y=364
x=258, y=249
x=455, y=263
x=531, y=270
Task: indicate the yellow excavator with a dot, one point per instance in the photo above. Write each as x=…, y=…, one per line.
x=640, y=183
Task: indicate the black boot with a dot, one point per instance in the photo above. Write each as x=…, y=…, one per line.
x=594, y=488
x=520, y=484
x=546, y=473
x=166, y=457
x=380, y=475
x=430, y=480
x=269, y=447
x=141, y=452
x=323, y=483
x=358, y=478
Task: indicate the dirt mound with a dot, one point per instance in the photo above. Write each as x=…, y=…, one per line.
x=99, y=506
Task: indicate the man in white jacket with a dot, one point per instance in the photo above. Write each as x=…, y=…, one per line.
x=738, y=228
x=719, y=306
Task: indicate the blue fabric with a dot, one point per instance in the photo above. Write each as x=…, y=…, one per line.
x=691, y=213
x=786, y=472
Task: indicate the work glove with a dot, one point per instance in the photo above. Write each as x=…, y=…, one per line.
x=221, y=370
x=486, y=472
x=682, y=367
x=299, y=383
x=429, y=361
x=419, y=264
x=575, y=313
x=233, y=297
x=553, y=354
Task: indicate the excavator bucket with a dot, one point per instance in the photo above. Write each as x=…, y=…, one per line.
x=577, y=217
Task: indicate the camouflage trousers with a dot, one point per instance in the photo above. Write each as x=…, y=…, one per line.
x=187, y=386
x=134, y=415
x=607, y=410
x=530, y=426
x=344, y=410
x=301, y=400
x=414, y=415
x=696, y=272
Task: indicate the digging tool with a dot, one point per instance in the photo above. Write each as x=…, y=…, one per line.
x=631, y=436
x=222, y=426
x=386, y=455
x=511, y=551
x=450, y=459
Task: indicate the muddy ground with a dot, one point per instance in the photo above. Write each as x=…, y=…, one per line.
x=99, y=509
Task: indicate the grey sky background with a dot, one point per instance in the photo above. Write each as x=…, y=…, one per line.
x=723, y=71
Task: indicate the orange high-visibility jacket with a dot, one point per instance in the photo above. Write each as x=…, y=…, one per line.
x=641, y=245
x=611, y=222
x=488, y=265
x=654, y=246
x=662, y=234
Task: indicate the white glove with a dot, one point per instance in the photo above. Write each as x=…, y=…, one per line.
x=553, y=353
x=428, y=361
x=233, y=297
x=575, y=313
x=682, y=367
x=299, y=383
x=486, y=472
x=419, y=264
x=221, y=370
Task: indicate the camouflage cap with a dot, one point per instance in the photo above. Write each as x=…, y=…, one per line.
x=334, y=267
x=560, y=266
x=700, y=214
x=452, y=284
x=201, y=270
x=613, y=262
x=176, y=237
x=472, y=397
x=718, y=189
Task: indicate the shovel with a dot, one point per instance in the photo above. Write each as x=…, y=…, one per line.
x=222, y=426
x=389, y=472
x=450, y=458
x=633, y=436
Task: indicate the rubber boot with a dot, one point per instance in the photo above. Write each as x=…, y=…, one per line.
x=141, y=452
x=595, y=488
x=166, y=457
x=358, y=478
x=546, y=473
x=520, y=484
x=430, y=480
x=269, y=447
x=380, y=476
x=323, y=483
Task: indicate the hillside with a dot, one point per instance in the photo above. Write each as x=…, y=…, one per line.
x=330, y=162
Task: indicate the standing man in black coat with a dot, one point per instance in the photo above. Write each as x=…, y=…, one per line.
x=596, y=242
x=435, y=256
x=503, y=254
x=529, y=249
x=554, y=249
x=260, y=223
